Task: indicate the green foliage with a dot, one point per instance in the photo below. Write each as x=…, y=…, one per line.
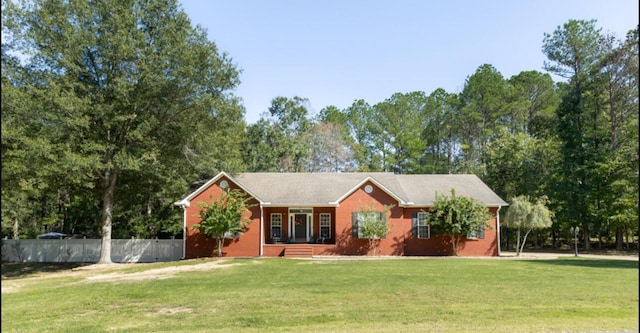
x=223, y=218
x=441, y=133
x=124, y=92
x=597, y=103
x=525, y=216
x=457, y=216
x=519, y=164
x=398, y=139
x=483, y=108
x=372, y=225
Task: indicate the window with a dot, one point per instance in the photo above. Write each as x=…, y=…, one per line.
x=423, y=227
x=325, y=225
x=376, y=220
x=276, y=225
x=478, y=233
x=229, y=234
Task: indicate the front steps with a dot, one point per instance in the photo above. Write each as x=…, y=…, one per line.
x=298, y=252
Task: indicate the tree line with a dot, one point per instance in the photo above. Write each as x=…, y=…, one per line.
x=110, y=112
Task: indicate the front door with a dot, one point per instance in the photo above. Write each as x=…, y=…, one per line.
x=300, y=228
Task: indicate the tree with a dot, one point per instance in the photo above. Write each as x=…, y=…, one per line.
x=125, y=84
x=458, y=216
x=483, y=107
x=573, y=51
x=526, y=216
x=223, y=218
x=398, y=138
x=363, y=127
x=372, y=225
x=440, y=133
x=534, y=100
x=260, y=149
x=290, y=119
x=519, y=164
x=328, y=151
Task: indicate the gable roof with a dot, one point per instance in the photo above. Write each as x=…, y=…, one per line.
x=329, y=189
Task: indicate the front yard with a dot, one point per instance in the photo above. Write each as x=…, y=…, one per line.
x=329, y=295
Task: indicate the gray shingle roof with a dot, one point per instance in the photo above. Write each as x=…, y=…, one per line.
x=327, y=189
x=422, y=189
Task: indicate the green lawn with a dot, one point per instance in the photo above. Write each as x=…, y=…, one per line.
x=289, y=295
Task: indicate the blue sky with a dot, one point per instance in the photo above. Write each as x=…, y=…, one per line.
x=334, y=52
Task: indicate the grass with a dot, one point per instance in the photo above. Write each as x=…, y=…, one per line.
x=288, y=295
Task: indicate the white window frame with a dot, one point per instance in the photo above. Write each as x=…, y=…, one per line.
x=360, y=217
x=423, y=222
x=325, y=222
x=476, y=234
x=276, y=222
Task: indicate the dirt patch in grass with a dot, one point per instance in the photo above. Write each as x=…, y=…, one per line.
x=168, y=311
x=158, y=273
x=104, y=273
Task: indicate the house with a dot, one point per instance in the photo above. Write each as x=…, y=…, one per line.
x=306, y=214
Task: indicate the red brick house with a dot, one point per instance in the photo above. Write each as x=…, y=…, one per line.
x=306, y=214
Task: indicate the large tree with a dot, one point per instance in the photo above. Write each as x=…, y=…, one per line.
x=458, y=216
x=483, y=108
x=328, y=150
x=597, y=126
x=126, y=85
x=440, y=133
x=573, y=52
x=399, y=130
x=289, y=117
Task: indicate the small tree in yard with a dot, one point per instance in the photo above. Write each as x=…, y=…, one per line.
x=372, y=225
x=525, y=216
x=458, y=216
x=222, y=219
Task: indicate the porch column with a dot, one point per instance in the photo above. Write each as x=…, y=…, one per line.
x=260, y=251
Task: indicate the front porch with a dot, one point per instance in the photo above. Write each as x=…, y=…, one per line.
x=299, y=226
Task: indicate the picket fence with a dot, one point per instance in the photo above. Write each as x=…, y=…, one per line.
x=88, y=250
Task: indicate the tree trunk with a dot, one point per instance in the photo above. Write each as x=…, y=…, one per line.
x=585, y=238
x=518, y=243
x=506, y=237
x=372, y=245
x=524, y=240
x=110, y=178
x=16, y=228
x=600, y=240
x=454, y=243
x=220, y=244
x=619, y=238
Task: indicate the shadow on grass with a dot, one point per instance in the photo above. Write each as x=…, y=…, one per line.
x=21, y=270
x=588, y=262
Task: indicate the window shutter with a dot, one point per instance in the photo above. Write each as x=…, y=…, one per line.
x=382, y=216
x=414, y=224
x=354, y=224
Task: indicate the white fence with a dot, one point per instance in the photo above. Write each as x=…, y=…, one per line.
x=88, y=250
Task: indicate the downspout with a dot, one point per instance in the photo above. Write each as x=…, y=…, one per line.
x=184, y=232
x=498, y=227
x=261, y=231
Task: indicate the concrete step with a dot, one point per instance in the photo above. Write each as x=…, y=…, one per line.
x=298, y=252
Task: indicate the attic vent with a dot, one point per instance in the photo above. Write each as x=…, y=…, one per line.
x=368, y=188
x=224, y=184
